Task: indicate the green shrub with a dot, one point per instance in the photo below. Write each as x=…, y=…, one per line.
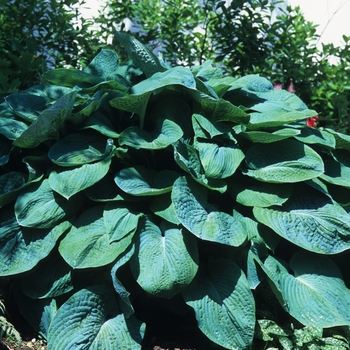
x=178, y=184
x=35, y=36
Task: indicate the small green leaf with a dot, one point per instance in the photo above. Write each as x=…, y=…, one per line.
x=223, y=304
x=165, y=259
x=283, y=161
x=38, y=206
x=203, y=220
x=315, y=294
x=139, y=181
x=76, y=327
x=48, y=124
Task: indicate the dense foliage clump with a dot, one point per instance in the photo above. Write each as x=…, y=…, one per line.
x=140, y=180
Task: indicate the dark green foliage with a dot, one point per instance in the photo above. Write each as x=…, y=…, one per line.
x=37, y=35
x=123, y=182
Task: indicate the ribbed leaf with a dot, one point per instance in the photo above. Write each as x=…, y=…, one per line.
x=119, y=221
x=76, y=327
x=203, y=220
x=71, y=78
x=70, y=182
x=11, y=128
x=48, y=123
x=187, y=158
x=261, y=195
x=223, y=304
x=163, y=206
x=88, y=237
x=166, y=132
x=316, y=136
x=38, y=206
x=219, y=162
x=22, y=248
x=268, y=137
x=11, y=184
x=27, y=106
x=140, y=181
x=315, y=294
x=165, y=259
x=146, y=60
x=104, y=64
x=283, y=161
x=77, y=149
x=310, y=221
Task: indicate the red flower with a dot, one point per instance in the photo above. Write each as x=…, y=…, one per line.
x=312, y=121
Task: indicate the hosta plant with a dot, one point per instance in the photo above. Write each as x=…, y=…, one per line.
x=202, y=192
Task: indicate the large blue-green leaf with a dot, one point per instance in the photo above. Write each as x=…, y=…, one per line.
x=342, y=140
x=310, y=221
x=261, y=195
x=315, y=294
x=140, y=181
x=283, y=161
x=145, y=59
x=89, y=244
x=125, y=303
x=337, y=170
x=104, y=64
x=219, y=162
x=119, y=221
x=316, y=136
x=202, y=219
x=187, y=158
x=55, y=279
x=137, y=101
x=268, y=137
x=27, y=106
x=11, y=128
x=165, y=259
x=164, y=207
x=11, y=184
x=270, y=107
x=223, y=304
x=38, y=206
x=72, y=181
x=48, y=124
x=22, y=248
x=71, y=78
x=75, y=326
x=165, y=133
x=78, y=149
x=208, y=129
